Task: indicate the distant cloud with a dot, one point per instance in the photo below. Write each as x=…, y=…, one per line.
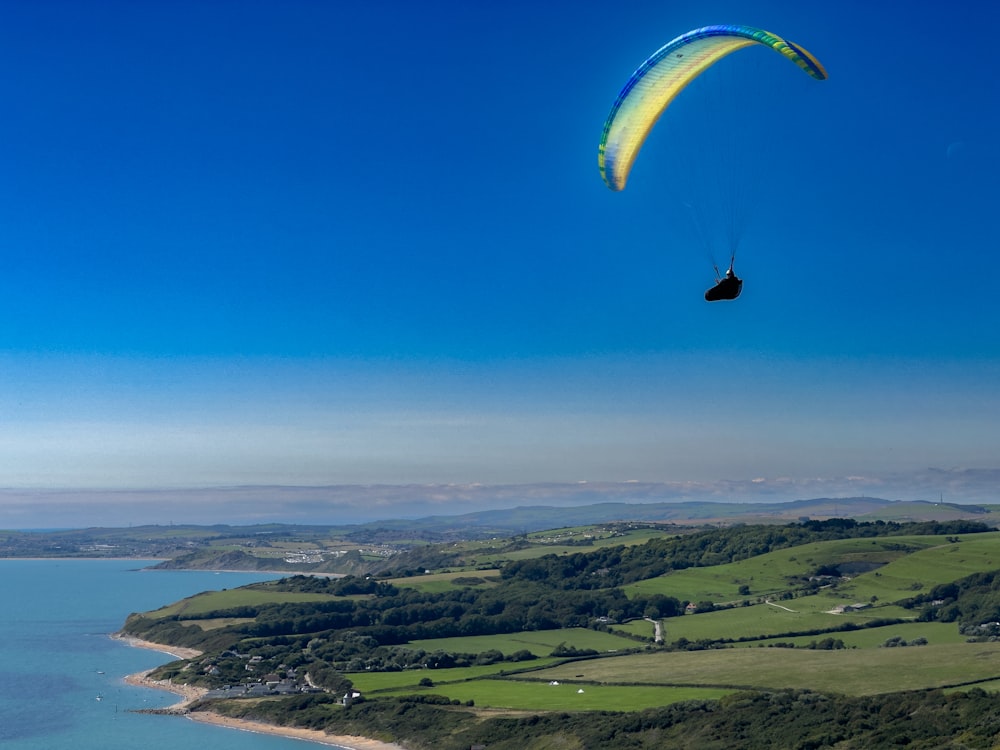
x=347, y=504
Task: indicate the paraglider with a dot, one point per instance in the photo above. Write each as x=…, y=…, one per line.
x=657, y=82
x=728, y=287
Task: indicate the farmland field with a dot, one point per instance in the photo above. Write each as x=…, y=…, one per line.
x=850, y=671
x=641, y=628
x=449, y=581
x=211, y=601
x=922, y=570
x=934, y=632
x=769, y=574
x=806, y=613
x=538, y=642
x=410, y=678
x=542, y=696
x=216, y=622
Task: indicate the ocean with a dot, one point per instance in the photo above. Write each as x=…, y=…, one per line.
x=61, y=675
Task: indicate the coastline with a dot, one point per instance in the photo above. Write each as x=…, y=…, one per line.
x=189, y=694
x=309, y=735
x=178, y=652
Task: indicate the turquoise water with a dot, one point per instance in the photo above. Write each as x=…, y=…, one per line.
x=61, y=676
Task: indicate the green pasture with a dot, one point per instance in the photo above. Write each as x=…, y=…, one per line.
x=565, y=541
x=849, y=671
x=769, y=574
x=538, y=642
x=636, y=536
x=438, y=582
x=904, y=511
x=641, y=628
x=920, y=571
x=934, y=632
x=216, y=622
x=539, y=550
x=763, y=620
x=497, y=557
x=541, y=696
x=211, y=601
x=568, y=533
x=596, y=536
x=991, y=686
x=369, y=682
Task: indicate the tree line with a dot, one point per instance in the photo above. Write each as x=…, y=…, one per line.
x=800, y=719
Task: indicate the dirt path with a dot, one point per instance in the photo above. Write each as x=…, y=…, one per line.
x=657, y=629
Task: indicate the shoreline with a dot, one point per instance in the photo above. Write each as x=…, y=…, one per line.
x=153, y=568
x=178, y=652
x=189, y=694
x=317, y=736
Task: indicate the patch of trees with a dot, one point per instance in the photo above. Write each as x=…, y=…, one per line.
x=973, y=602
x=897, y=641
x=826, y=644
x=354, y=652
x=397, y=616
x=346, y=586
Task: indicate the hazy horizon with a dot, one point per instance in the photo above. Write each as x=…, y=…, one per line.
x=348, y=504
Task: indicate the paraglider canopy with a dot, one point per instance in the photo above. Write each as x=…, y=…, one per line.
x=666, y=73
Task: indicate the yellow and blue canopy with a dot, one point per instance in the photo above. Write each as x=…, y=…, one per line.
x=656, y=82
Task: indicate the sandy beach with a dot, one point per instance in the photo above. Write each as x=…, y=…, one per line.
x=178, y=652
x=189, y=694
x=310, y=735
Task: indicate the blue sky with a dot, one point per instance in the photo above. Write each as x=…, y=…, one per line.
x=318, y=244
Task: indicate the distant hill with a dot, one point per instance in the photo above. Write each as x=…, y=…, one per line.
x=541, y=517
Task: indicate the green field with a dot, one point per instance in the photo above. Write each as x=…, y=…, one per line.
x=215, y=623
x=211, y=601
x=851, y=671
x=934, y=632
x=437, y=582
x=775, y=572
x=538, y=642
x=541, y=696
x=920, y=571
x=594, y=536
x=368, y=682
x=804, y=614
x=641, y=628
x=479, y=553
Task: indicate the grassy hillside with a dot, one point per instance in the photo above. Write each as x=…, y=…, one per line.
x=538, y=642
x=899, y=567
x=773, y=573
x=862, y=671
